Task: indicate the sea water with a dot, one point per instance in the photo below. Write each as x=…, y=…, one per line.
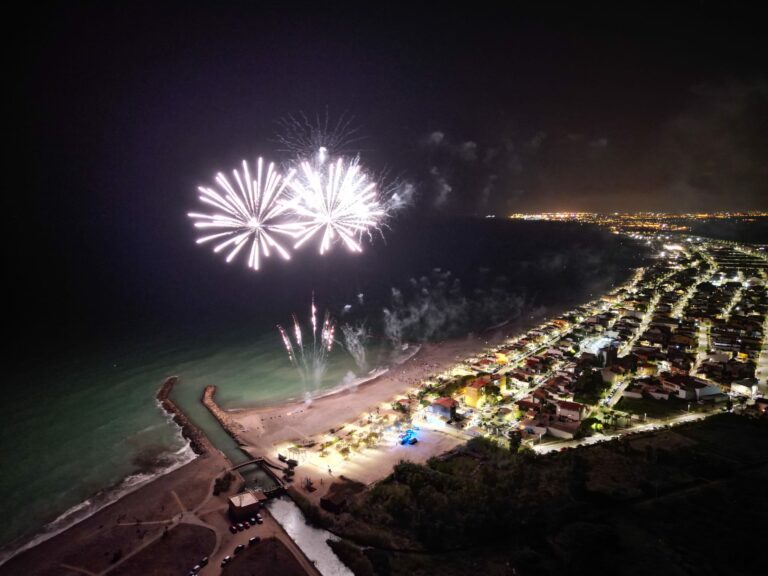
x=312, y=541
x=80, y=433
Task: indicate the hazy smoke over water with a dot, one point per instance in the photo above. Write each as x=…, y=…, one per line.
x=436, y=306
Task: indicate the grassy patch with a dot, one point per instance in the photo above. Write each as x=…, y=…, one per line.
x=656, y=409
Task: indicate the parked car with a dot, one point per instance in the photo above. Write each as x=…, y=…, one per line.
x=239, y=548
x=226, y=560
x=253, y=540
x=240, y=527
x=233, y=529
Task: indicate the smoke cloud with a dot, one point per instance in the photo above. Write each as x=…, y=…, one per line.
x=708, y=155
x=436, y=307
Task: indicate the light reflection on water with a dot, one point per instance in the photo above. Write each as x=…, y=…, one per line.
x=312, y=541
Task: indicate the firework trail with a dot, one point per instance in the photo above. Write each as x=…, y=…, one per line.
x=251, y=214
x=337, y=201
x=310, y=358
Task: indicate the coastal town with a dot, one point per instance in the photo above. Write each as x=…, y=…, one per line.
x=643, y=222
x=681, y=340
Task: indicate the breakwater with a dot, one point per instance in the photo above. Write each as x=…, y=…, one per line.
x=227, y=422
x=197, y=440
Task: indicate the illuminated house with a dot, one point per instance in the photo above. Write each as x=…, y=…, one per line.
x=443, y=408
x=744, y=387
x=687, y=388
x=473, y=392
x=500, y=380
x=571, y=410
x=645, y=369
x=246, y=504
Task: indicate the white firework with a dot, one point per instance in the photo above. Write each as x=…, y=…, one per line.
x=336, y=200
x=252, y=214
x=310, y=356
x=303, y=136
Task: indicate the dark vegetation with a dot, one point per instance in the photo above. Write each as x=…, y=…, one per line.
x=589, y=387
x=353, y=557
x=650, y=408
x=687, y=500
x=222, y=483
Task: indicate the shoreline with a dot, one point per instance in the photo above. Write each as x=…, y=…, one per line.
x=342, y=386
x=428, y=359
x=196, y=443
x=271, y=430
x=261, y=428
x=90, y=507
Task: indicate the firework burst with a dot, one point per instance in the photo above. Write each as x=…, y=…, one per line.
x=304, y=137
x=337, y=201
x=250, y=215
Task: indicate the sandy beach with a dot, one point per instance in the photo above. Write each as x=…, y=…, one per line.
x=266, y=428
x=125, y=526
x=131, y=524
x=272, y=430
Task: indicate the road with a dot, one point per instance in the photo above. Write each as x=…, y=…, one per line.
x=597, y=438
x=761, y=370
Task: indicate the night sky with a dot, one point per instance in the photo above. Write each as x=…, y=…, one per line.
x=124, y=111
